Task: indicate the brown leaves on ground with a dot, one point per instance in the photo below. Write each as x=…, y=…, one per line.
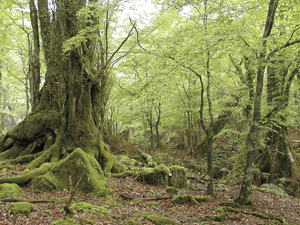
x=121, y=210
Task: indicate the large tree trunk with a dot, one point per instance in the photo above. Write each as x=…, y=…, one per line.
x=66, y=116
x=275, y=159
x=244, y=196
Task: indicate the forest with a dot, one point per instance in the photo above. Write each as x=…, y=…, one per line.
x=149, y=112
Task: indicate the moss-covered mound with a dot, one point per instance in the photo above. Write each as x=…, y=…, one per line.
x=171, y=190
x=160, y=220
x=179, y=199
x=156, y=176
x=9, y=191
x=20, y=208
x=94, y=209
x=161, y=175
x=46, y=182
x=178, y=177
x=63, y=221
x=79, y=165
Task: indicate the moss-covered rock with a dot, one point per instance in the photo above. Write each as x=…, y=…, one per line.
x=63, y=221
x=44, y=183
x=179, y=199
x=156, y=176
x=125, y=160
x=94, y=209
x=178, y=177
x=9, y=191
x=20, y=208
x=79, y=165
x=160, y=220
x=200, y=199
x=171, y=190
x=272, y=188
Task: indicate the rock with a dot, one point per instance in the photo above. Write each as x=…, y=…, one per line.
x=273, y=188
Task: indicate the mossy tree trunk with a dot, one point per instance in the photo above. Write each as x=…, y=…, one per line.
x=275, y=159
x=72, y=101
x=244, y=196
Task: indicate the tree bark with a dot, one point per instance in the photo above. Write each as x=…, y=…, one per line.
x=244, y=196
x=65, y=119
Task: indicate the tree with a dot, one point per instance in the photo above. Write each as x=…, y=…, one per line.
x=264, y=56
x=66, y=123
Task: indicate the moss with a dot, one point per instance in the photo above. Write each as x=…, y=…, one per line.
x=63, y=221
x=200, y=199
x=44, y=183
x=178, y=178
x=228, y=209
x=5, y=168
x=160, y=220
x=94, y=209
x=230, y=203
x=179, y=199
x=218, y=218
x=155, y=176
x=86, y=221
x=131, y=221
x=272, y=188
x=79, y=165
x=124, y=174
x=170, y=190
x=9, y=191
x=126, y=160
x=108, y=162
x=12, y=153
x=26, y=178
x=20, y=208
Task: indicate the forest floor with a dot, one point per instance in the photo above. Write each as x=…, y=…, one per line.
x=120, y=210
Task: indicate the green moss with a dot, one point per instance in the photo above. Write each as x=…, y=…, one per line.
x=230, y=203
x=108, y=162
x=272, y=188
x=44, y=183
x=123, y=175
x=126, y=160
x=63, y=221
x=228, y=209
x=178, y=178
x=170, y=190
x=131, y=221
x=12, y=153
x=155, y=176
x=5, y=168
x=79, y=165
x=9, y=191
x=200, y=199
x=26, y=178
x=160, y=220
x=20, y=208
x=87, y=221
x=179, y=199
x=94, y=209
